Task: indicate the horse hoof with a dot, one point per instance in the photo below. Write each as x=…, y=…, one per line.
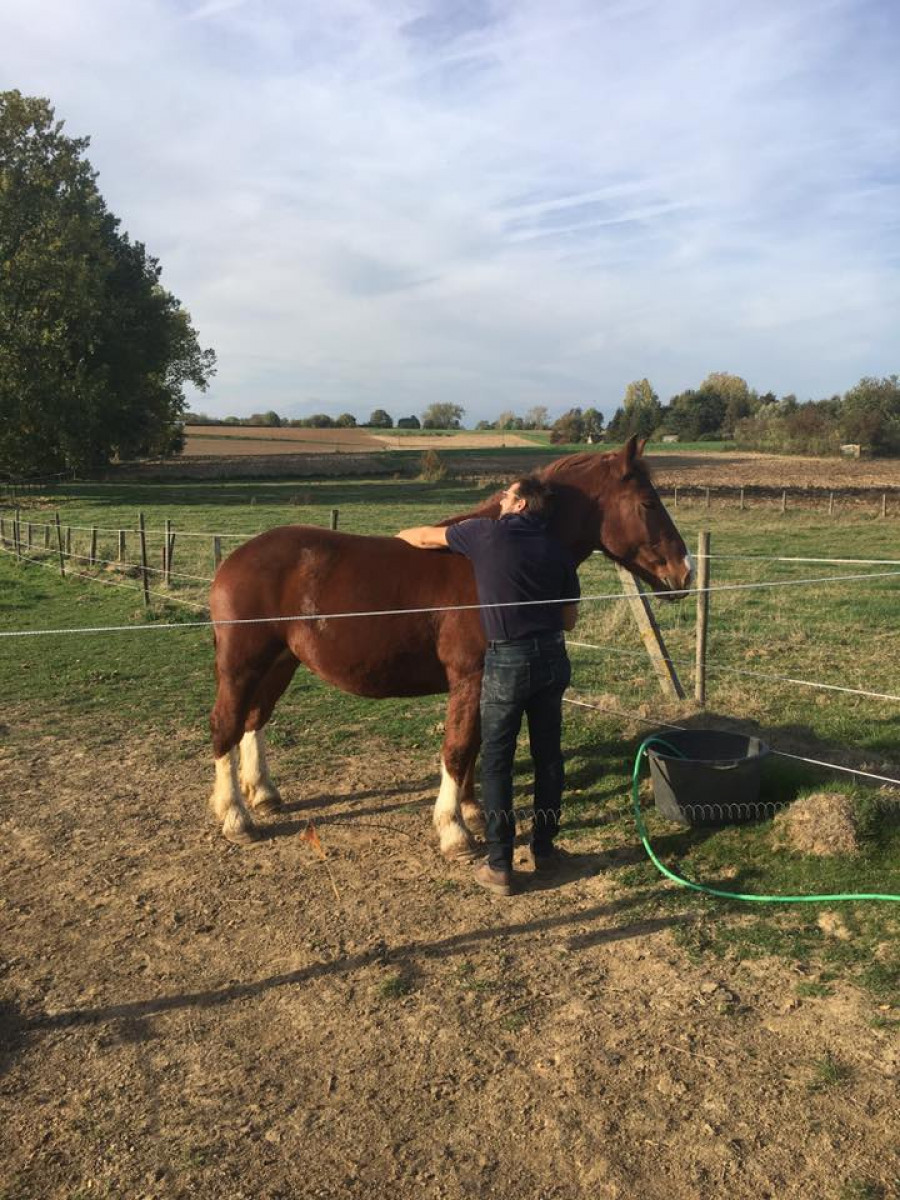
x=239, y=829
x=268, y=806
x=461, y=854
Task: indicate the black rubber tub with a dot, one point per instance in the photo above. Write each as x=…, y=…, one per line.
x=716, y=782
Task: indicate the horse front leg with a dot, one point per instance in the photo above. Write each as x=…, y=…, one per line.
x=461, y=734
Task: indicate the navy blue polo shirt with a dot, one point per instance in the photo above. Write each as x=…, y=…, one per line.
x=516, y=559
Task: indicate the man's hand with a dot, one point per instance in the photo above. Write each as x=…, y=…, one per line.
x=569, y=616
x=425, y=537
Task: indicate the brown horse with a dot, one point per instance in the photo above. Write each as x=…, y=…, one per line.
x=286, y=585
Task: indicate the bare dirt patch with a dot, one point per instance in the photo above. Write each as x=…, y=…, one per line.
x=182, y=1018
x=229, y=440
x=773, y=470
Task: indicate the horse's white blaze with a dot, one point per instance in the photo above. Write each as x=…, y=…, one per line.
x=256, y=781
x=447, y=817
x=689, y=563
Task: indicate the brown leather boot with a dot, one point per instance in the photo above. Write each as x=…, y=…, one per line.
x=496, y=881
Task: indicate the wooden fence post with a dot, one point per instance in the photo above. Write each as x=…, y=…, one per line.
x=167, y=569
x=2, y=531
x=29, y=533
x=217, y=552
x=121, y=545
x=784, y=500
x=702, y=617
x=92, y=559
x=170, y=557
x=650, y=635
x=17, y=534
x=46, y=535
x=884, y=504
x=335, y=513
x=675, y=501
x=742, y=499
x=146, y=585
x=830, y=503
x=68, y=541
x=707, y=497
x=59, y=542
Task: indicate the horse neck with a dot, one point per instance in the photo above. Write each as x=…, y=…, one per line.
x=581, y=484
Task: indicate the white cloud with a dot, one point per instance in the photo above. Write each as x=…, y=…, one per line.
x=384, y=204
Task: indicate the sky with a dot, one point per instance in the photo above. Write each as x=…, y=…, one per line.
x=390, y=203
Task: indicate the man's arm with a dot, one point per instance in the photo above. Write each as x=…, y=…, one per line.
x=569, y=616
x=425, y=537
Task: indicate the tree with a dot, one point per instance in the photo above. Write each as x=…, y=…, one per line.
x=536, y=418
x=593, y=425
x=871, y=414
x=693, y=415
x=734, y=396
x=442, y=416
x=380, y=420
x=409, y=423
x=568, y=428
x=94, y=352
x=269, y=419
x=642, y=411
x=509, y=420
x=346, y=421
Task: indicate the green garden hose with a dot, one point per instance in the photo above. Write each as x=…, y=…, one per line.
x=702, y=887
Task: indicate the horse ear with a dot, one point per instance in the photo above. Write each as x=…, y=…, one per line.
x=632, y=450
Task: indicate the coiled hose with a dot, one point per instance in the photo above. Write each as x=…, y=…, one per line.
x=702, y=887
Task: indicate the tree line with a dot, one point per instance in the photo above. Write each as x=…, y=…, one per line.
x=725, y=407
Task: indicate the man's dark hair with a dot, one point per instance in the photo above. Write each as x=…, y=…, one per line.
x=538, y=496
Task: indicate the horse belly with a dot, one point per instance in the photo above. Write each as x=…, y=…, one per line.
x=369, y=665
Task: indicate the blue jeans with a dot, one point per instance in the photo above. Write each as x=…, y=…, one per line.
x=526, y=676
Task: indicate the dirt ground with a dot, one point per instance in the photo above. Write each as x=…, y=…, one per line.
x=235, y=439
x=183, y=1018
x=744, y=469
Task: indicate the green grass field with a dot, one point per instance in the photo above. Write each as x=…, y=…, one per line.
x=157, y=682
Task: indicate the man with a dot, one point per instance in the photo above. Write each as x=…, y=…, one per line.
x=526, y=668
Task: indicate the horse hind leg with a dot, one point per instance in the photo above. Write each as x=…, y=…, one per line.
x=256, y=782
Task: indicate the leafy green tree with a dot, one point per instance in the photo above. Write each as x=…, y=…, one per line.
x=568, y=428
x=694, y=414
x=94, y=352
x=346, y=421
x=269, y=420
x=593, y=424
x=733, y=396
x=641, y=409
x=380, y=420
x=871, y=414
x=442, y=416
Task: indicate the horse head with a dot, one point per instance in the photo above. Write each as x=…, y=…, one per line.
x=608, y=502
